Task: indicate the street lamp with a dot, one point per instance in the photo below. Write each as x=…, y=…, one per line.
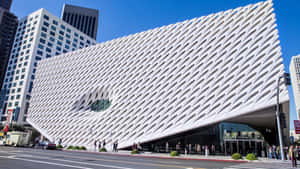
x=287, y=81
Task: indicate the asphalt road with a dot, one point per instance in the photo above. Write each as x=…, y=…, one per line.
x=27, y=158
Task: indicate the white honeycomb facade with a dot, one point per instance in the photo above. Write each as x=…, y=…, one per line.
x=162, y=81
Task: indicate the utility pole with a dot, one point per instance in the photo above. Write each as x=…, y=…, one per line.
x=287, y=81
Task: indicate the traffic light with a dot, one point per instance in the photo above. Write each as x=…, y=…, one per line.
x=287, y=79
x=282, y=120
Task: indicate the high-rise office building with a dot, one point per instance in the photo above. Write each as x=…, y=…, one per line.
x=295, y=77
x=5, y=4
x=40, y=35
x=84, y=19
x=8, y=26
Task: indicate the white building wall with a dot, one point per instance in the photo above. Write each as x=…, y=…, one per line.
x=162, y=81
x=295, y=77
x=27, y=52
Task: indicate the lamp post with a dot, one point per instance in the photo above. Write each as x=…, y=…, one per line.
x=287, y=81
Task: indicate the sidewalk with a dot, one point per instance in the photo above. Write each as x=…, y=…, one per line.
x=261, y=163
x=167, y=156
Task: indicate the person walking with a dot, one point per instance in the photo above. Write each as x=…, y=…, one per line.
x=99, y=144
x=167, y=147
x=116, y=144
x=206, y=151
x=278, y=152
x=95, y=145
x=270, y=152
x=104, y=143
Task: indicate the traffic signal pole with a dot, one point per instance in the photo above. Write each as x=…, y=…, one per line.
x=287, y=82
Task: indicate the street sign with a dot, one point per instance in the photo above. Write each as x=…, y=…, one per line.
x=297, y=126
x=9, y=116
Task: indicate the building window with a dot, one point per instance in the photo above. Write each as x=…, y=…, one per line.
x=46, y=17
x=46, y=24
x=43, y=35
x=38, y=58
x=44, y=29
x=59, y=43
x=62, y=32
x=39, y=52
x=48, y=50
x=53, y=27
x=52, y=33
x=41, y=46
x=42, y=41
x=50, y=44
x=51, y=39
x=55, y=22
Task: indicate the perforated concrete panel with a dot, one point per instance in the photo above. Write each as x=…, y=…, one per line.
x=162, y=81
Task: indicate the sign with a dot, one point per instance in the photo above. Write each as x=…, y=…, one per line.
x=5, y=130
x=9, y=115
x=297, y=126
x=1, y=134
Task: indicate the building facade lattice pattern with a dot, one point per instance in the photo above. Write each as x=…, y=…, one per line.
x=162, y=81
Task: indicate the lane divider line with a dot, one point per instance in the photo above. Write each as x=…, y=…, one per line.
x=44, y=162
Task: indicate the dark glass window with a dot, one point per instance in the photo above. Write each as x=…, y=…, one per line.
x=55, y=22
x=100, y=105
x=46, y=17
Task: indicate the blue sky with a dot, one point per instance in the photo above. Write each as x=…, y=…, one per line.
x=123, y=17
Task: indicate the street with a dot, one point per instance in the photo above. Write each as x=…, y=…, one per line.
x=27, y=158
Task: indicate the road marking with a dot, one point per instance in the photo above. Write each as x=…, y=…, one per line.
x=118, y=161
x=78, y=162
x=44, y=162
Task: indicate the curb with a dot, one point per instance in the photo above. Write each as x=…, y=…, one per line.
x=158, y=157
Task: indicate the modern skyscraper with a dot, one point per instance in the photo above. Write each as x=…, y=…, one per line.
x=84, y=19
x=167, y=83
x=295, y=77
x=40, y=35
x=5, y=4
x=8, y=26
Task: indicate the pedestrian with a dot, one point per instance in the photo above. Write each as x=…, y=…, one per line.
x=298, y=152
x=167, y=147
x=186, y=149
x=270, y=152
x=206, y=151
x=203, y=149
x=292, y=156
x=139, y=147
x=60, y=141
x=199, y=148
x=116, y=144
x=99, y=144
x=213, y=149
x=134, y=147
x=178, y=147
x=190, y=148
x=278, y=152
x=104, y=143
x=274, y=151
x=95, y=145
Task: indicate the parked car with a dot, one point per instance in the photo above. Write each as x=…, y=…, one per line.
x=51, y=146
